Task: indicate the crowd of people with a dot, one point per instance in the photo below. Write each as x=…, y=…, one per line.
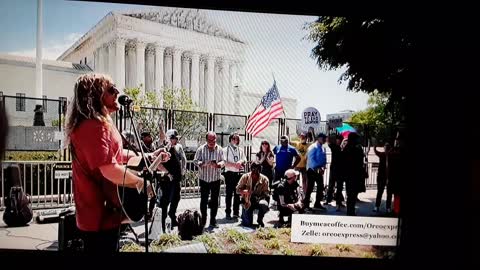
x=287, y=173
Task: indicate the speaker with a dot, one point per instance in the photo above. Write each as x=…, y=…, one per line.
x=69, y=237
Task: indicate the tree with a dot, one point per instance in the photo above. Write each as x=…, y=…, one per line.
x=150, y=116
x=376, y=116
x=376, y=52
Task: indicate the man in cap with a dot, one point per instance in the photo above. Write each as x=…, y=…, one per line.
x=285, y=155
x=147, y=142
x=176, y=167
x=289, y=197
x=316, y=163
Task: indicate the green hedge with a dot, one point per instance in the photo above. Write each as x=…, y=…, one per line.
x=31, y=155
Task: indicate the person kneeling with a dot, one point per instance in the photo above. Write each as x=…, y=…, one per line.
x=290, y=197
x=255, y=193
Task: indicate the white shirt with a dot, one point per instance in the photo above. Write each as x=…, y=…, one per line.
x=233, y=154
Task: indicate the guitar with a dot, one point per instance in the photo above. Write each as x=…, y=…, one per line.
x=246, y=199
x=130, y=200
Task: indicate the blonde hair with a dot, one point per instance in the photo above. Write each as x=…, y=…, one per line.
x=87, y=102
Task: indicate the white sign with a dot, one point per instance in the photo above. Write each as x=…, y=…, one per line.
x=310, y=118
x=344, y=230
x=62, y=174
x=191, y=143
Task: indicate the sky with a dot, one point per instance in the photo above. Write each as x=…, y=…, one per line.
x=275, y=47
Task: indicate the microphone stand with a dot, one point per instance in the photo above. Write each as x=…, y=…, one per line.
x=146, y=175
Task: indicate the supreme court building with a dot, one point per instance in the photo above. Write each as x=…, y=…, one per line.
x=167, y=47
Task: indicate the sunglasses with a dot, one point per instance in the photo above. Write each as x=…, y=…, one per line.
x=113, y=90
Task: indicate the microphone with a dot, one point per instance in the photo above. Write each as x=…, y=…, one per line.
x=124, y=100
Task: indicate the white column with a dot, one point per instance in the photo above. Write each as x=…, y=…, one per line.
x=195, y=77
x=95, y=60
x=210, y=85
x=186, y=71
x=140, y=55
x=168, y=69
x=104, y=56
x=131, y=71
x=120, y=63
x=177, y=67
x=218, y=86
x=111, y=60
x=226, y=108
x=234, y=86
x=201, y=88
x=100, y=59
x=159, y=50
x=150, y=70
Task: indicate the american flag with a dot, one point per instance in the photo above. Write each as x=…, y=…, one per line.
x=269, y=108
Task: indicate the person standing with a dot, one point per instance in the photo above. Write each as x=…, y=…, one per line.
x=316, y=162
x=97, y=168
x=302, y=147
x=234, y=159
x=265, y=158
x=209, y=159
x=335, y=178
x=382, y=178
x=353, y=158
x=285, y=155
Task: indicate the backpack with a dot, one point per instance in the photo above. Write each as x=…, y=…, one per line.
x=189, y=224
x=18, y=210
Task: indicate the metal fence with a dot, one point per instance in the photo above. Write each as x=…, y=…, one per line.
x=46, y=189
x=39, y=181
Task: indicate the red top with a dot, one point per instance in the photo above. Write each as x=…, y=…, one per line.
x=95, y=144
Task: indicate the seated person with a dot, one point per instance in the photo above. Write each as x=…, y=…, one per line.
x=255, y=193
x=289, y=196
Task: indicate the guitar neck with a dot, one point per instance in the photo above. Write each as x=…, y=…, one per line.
x=153, y=167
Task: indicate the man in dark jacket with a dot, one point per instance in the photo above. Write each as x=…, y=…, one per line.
x=290, y=197
x=335, y=170
x=353, y=158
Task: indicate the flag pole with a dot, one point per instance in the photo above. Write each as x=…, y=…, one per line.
x=275, y=83
x=284, y=115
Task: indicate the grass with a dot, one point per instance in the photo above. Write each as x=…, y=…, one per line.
x=285, y=231
x=343, y=248
x=266, y=233
x=286, y=250
x=272, y=244
x=244, y=247
x=234, y=236
x=131, y=247
x=317, y=250
x=210, y=242
x=166, y=241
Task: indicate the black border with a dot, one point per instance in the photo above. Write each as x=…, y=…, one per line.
x=442, y=119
